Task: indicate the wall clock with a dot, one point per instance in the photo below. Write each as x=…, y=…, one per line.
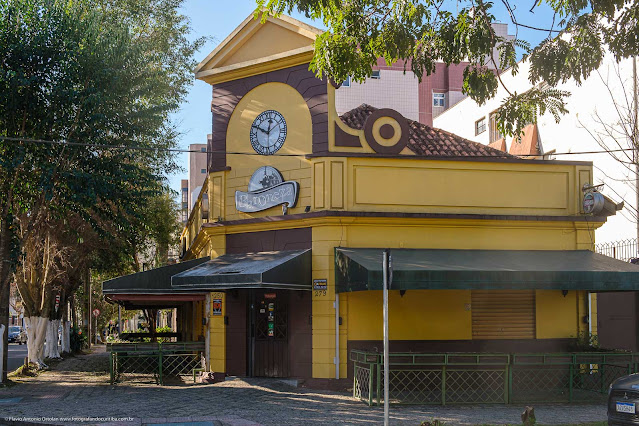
x=268, y=132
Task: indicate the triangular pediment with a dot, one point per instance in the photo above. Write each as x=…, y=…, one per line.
x=255, y=47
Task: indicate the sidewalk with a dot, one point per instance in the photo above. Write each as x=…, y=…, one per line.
x=79, y=387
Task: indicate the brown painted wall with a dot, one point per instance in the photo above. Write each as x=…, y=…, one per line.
x=282, y=239
x=300, y=334
x=227, y=95
x=439, y=346
x=617, y=320
x=299, y=328
x=236, y=339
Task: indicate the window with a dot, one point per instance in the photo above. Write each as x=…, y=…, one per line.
x=202, y=170
x=202, y=149
x=439, y=100
x=480, y=126
x=185, y=195
x=347, y=82
x=376, y=75
x=492, y=128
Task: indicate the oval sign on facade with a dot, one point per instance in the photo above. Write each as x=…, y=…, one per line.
x=593, y=203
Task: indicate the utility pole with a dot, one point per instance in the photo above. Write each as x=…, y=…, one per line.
x=87, y=283
x=386, y=273
x=635, y=135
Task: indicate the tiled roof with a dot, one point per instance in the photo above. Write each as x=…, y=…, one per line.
x=428, y=141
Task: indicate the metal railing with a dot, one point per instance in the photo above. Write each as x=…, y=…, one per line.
x=623, y=249
x=465, y=378
x=153, y=361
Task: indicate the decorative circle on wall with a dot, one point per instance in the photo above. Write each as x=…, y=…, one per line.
x=265, y=177
x=387, y=131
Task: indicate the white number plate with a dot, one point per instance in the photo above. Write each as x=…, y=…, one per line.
x=626, y=407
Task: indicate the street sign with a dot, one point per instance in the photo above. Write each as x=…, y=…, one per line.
x=96, y=312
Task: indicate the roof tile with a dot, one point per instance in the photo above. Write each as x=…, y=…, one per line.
x=428, y=141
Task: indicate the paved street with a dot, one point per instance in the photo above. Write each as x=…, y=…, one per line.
x=16, y=356
x=79, y=387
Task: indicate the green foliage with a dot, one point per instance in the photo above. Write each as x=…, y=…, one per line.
x=419, y=33
x=92, y=77
x=585, y=342
x=78, y=340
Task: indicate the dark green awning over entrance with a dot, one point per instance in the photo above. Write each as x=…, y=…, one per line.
x=359, y=269
x=153, y=281
x=287, y=269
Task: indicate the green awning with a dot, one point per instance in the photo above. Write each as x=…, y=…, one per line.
x=153, y=281
x=286, y=269
x=359, y=269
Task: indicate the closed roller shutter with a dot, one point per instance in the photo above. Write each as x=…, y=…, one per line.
x=508, y=314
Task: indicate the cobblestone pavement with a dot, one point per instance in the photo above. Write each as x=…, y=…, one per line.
x=79, y=386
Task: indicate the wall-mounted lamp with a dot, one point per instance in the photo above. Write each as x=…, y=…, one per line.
x=307, y=209
x=564, y=293
x=402, y=293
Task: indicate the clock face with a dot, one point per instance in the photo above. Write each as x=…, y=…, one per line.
x=268, y=132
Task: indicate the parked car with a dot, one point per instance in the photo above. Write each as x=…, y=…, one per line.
x=17, y=334
x=623, y=401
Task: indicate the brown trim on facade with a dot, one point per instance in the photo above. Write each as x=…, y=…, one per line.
x=227, y=95
x=443, y=158
x=336, y=213
x=345, y=139
x=275, y=240
x=370, y=138
x=387, y=131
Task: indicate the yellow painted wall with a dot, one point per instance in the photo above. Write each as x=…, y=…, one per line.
x=267, y=39
x=289, y=160
x=418, y=315
x=557, y=316
x=217, y=340
x=436, y=186
x=361, y=311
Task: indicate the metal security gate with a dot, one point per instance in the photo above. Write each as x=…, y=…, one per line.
x=268, y=326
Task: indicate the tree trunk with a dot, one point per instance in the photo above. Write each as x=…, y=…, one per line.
x=5, y=286
x=151, y=317
x=36, y=332
x=74, y=314
x=66, y=337
x=52, y=349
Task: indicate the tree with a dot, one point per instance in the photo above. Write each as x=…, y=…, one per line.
x=421, y=32
x=614, y=126
x=100, y=82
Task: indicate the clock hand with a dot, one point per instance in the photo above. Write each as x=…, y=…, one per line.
x=260, y=129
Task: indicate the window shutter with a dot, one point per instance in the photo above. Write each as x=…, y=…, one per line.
x=503, y=314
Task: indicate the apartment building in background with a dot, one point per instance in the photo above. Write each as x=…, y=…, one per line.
x=197, y=170
x=391, y=86
x=190, y=188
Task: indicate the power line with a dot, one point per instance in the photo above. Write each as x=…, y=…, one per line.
x=179, y=150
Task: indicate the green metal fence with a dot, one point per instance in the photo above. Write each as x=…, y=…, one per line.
x=465, y=378
x=153, y=361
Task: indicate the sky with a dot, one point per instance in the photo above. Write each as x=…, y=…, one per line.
x=216, y=19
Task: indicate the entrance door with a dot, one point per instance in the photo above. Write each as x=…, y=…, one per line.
x=268, y=348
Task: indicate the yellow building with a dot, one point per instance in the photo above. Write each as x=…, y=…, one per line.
x=490, y=252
